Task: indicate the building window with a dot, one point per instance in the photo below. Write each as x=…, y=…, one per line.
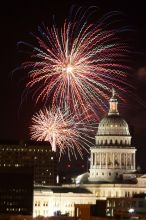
x=134, y=204
x=141, y=204
x=102, y=173
x=109, y=174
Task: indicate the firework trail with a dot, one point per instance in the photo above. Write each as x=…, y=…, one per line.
x=62, y=130
x=77, y=63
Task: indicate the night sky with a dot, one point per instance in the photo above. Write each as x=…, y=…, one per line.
x=19, y=18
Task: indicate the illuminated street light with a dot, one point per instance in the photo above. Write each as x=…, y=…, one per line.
x=131, y=211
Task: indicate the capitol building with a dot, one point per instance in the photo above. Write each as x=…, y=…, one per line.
x=112, y=172
x=112, y=156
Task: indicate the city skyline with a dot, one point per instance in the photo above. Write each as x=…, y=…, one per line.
x=15, y=120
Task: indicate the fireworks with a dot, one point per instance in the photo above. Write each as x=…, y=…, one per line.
x=62, y=130
x=77, y=64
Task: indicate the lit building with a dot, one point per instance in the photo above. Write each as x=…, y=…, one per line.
x=37, y=156
x=112, y=170
x=113, y=155
x=137, y=204
x=50, y=200
x=16, y=191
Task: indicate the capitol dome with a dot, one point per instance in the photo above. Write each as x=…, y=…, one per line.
x=113, y=129
x=113, y=125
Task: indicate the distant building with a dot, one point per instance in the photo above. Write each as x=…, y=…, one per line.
x=63, y=198
x=16, y=191
x=87, y=211
x=50, y=200
x=34, y=155
x=135, y=204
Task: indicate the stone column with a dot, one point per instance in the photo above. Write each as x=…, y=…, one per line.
x=134, y=161
x=96, y=159
x=93, y=157
x=131, y=162
x=120, y=160
x=133, y=158
x=100, y=160
x=113, y=160
x=106, y=159
x=126, y=159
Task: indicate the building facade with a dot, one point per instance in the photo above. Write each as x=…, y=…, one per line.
x=135, y=204
x=49, y=200
x=63, y=199
x=38, y=157
x=16, y=191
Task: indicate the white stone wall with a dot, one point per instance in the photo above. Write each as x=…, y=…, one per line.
x=113, y=140
x=116, y=190
x=46, y=203
x=107, y=164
